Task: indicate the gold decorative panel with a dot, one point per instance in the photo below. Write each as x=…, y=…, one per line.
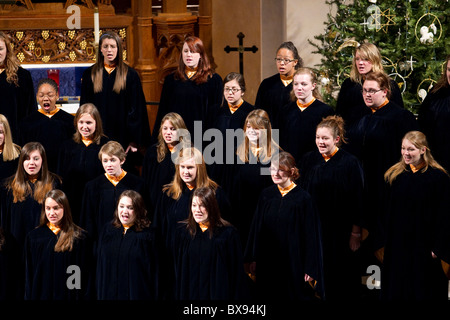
x=58, y=45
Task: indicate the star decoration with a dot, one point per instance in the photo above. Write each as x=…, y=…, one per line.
x=386, y=14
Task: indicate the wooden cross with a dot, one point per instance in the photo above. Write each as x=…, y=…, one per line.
x=241, y=50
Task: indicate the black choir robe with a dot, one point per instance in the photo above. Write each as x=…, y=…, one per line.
x=17, y=220
x=50, y=132
x=222, y=119
x=285, y=243
x=350, y=103
x=17, y=102
x=7, y=168
x=336, y=187
x=210, y=268
x=169, y=212
x=376, y=141
x=433, y=118
x=46, y=272
x=298, y=128
x=77, y=165
x=10, y=269
x=244, y=184
x=126, y=264
x=417, y=223
x=21, y=217
x=190, y=100
x=156, y=175
x=100, y=200
x=124, y=114
x=271, y=96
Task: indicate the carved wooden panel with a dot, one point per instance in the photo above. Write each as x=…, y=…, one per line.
x=59, y=45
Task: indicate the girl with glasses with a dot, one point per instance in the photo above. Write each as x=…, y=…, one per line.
x=274, y=91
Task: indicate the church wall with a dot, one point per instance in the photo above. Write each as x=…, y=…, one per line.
x=266, y=24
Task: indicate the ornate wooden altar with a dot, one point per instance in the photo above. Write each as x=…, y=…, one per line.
x=42, y=39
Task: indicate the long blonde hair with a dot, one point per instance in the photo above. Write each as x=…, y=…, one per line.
x=175, y=188
x=367, y=51
x=419, y=140
x=121, y=68
x=259, y=119
x=11, y=61
x=11, y=150
x=69, y=230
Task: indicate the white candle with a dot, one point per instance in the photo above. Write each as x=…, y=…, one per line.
x=96, y=26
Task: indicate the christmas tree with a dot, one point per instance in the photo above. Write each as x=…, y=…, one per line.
x=412, y=35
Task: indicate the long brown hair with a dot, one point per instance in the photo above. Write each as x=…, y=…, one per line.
x=207, y=197
x=419, y=140
x=121, y=68
x=90, y=109
x=141, y=220
x=204, y=71
x=11, y=150
x=19, y=183
x=175, y=188
x=177, y=121
x=11, y=62
x=69, y=230
x=258, y=118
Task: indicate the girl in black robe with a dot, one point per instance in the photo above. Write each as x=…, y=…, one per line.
x=126, y=256
x=9, y=154
x=434, y=117
x=331, y=173
x=274, y=91
x=16, y=88
x=376, y=140
x=101, y=194
x=24, y=192
x=228, y=117
x=78, y=161
x=350, y=102
x=173, y=206
x=21, y=198
x=53, y=249
x=250, y=174
x=50, y=125
x=299, y=118
x=417, y=226
x=116, y=90
x=209, y=259
x=159, y=168
x=284, y=247
x=192, y=89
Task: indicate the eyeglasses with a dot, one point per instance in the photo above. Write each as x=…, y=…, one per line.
x=370, y=91
x=285, y=61
x=48, y=95
x=234, y=90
